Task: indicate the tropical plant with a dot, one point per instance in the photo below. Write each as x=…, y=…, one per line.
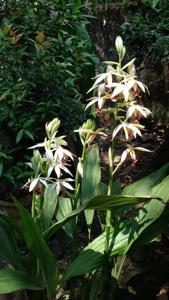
x=58, y=204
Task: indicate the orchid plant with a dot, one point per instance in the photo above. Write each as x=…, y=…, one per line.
x=51, y=168
x=116, y=96
x=58, y=199
x=116, y=101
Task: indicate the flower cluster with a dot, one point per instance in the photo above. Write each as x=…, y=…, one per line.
x=116, y=95
x=48, y=168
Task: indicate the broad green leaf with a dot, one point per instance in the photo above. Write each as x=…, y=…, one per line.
x=99, y=203
x=148, y=214
x=8, y=247
x=153, y=230
x=64, y=208
x=92, y=257
x=91, y=173
x=49, y=206
x=29, y=134
x=19, y=135
x=91, y=179
x=144, y=186
x=39, y=248
x=115, y=201
x=12, y=280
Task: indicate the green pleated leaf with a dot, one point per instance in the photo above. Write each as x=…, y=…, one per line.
x=91, y=180
x=11, y=281
x=92, y=257
x=115, y=201
x=144, y=186
x=39, y=248
x=148, y=214
x=49, y=206
x=152, y=231
x=98, y=202
x=91, y=173
x=19, y=135
x=8, y=247
x=64, y=209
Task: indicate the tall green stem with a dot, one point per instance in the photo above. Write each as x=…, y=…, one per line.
x=33, y=211
x=77, y=184
x=111, y=153
x=76, y=197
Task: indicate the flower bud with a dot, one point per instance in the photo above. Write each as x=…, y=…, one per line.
x=51, y=127
x=89, y=124
x=120, y=47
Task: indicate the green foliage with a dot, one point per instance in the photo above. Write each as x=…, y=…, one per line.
x=92, y=257
x=11, y=281
x=91, y=180
x=125, y=233
x=9, y=250
x=151, y=3
x=47, y=61
x=40, y=264
x=145, y=31
x=39, y=250
x=59, y=201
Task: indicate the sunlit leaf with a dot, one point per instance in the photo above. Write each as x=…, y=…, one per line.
x=91, y=179
x=11, y=281
x=39, y=248
x=49, y=206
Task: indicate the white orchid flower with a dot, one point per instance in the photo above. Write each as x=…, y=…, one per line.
x=60, y=183
x=56, y=163
x=33, y=182
x=107, y=76
x=130, y=129
x=132, y=152
x=99, y=100
x=137, y=109
x=123, y=88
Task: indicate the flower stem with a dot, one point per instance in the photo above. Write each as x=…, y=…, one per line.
x=75, y=202
x=111, y=153
x=33, y=206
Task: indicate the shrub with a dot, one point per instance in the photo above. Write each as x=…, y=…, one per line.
x=45, y=53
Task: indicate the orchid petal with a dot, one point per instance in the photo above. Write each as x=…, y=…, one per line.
x=67, y=185
x=118, y=89
x=33, y=184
